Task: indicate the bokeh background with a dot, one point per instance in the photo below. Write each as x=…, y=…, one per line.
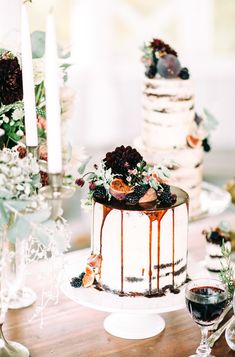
x=105, y=36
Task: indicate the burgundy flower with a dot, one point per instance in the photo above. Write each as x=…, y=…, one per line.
x=11, y=88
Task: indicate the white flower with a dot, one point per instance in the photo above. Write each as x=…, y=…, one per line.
x=2, y=179
x=17, y=114
x=20, y=132
x=19, y=178
x=2, y=132
x=5, y=119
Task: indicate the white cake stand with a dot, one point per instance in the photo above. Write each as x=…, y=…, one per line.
x=130, y=318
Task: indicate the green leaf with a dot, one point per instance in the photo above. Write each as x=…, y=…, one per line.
x=38, y=44
x=21, y=229
x=210, y=122
x=154, y=184
x=82, y=168
x=4, y=216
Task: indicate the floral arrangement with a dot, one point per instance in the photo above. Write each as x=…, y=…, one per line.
x=12, y=129
x=19, y=177
x=123, y=176
x=159, y=58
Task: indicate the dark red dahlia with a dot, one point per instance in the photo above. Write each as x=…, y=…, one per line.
x=122, y=159
x=160, y=46
x=11, y=89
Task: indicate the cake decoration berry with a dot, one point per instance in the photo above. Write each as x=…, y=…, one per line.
x=76, y=282
x=184, y=73
x=100, y=192
x=151, y=71
x=206, y=145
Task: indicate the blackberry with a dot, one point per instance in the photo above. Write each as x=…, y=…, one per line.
x=151, y=71
x=100, y=192
x=166, y=198
x=184, y=73
x=132, y=198
x=206, y=145
x=166, y=187
x=140, y=190
x=76, y=282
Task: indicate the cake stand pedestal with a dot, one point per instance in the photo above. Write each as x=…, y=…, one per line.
x=131, y=317
x=134, y=326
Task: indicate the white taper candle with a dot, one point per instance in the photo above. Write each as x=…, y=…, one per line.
x=28, y=82
x=52, y=100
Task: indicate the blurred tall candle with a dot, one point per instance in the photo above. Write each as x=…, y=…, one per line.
x=52, y=100
x=28, y=82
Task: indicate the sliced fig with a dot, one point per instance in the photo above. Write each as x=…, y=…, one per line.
x=88, y=280
x=94, y=260
x=119, y=189
x=194, y=141
x=149, y=196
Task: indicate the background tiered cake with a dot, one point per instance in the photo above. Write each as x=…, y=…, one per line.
x=172, y=132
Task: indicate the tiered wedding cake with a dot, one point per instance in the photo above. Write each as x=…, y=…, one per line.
x=139, y=235
x=172, y=132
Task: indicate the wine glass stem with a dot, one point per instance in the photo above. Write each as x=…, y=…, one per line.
x=203, y=349
x=1, y=334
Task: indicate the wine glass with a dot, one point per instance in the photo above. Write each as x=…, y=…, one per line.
x=205, y=299
x=7, y=348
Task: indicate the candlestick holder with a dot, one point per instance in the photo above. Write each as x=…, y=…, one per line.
x=33, y=150
x=55, y=192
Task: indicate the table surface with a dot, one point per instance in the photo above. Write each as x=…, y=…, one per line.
x=71, y=330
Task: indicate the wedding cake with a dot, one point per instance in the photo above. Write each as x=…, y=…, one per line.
x=139, y=229
x=172, y=131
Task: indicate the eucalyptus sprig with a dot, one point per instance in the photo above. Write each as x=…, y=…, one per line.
x=227, y=271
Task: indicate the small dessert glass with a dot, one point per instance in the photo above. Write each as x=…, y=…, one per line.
x=205, y=299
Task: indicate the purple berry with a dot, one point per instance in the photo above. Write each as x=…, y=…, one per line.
x=168, y=66
x=92, y=186
x=80, y=182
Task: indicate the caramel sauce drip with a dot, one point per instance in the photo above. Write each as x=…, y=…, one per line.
x=106, y=211
x=155, y=216
x=173, y=247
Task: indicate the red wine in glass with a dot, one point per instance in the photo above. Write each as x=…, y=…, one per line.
x=206, y=312
x=205, y=299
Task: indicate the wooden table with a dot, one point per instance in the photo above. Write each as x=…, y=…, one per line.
x=71, y=330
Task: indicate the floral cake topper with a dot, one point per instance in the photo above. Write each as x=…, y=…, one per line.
x=124, y=176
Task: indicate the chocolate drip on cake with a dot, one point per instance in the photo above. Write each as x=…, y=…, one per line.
x=153, y=217
x=106, y=211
